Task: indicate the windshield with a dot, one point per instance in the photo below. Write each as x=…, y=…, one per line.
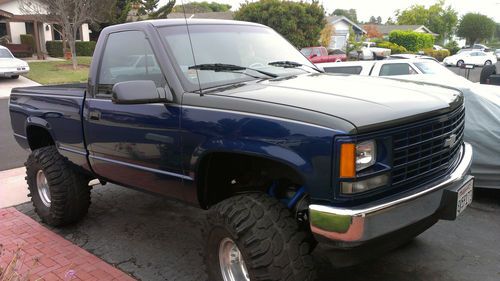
x=306, y=51
x=432, y=67
x=240, y=45
x=5, y=54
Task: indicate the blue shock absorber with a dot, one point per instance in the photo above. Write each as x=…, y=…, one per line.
x=296, y=197
x=289, y=202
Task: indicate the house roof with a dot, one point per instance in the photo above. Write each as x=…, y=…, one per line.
x=335, y=19
x=386, y=29
x=5, y=14
x=212, y=15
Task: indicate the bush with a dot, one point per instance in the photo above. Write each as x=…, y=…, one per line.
x=27, y=39
x=452, y=47
x=411, y=40
x=437, y=54
x=395, y=49
x=83, y=48
x=54, y=48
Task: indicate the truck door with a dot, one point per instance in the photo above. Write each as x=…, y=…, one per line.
x=135, y=145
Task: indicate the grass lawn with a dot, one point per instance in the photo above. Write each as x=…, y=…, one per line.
x=59, y=72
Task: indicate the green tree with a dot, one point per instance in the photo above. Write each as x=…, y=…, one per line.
x=147, y=6
x=475, y=27
x=438, y=18
x=201, y=7
x=120, y=11
x=163, y=11
x=497, y=32
x=350, y=14
x=299, y=22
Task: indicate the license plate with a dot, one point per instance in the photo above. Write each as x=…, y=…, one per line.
x=464, y=197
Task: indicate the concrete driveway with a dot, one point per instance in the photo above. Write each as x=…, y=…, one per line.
x=6, y=84
x=157, y=239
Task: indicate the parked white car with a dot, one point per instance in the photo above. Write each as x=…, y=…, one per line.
x=410, y=56
x=482, y=103
x=10, y=66
x=474, y=57
x=497, y=53
x=390, y=67
x=370, y=51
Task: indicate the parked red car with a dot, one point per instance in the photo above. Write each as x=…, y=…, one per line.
x=320, y=54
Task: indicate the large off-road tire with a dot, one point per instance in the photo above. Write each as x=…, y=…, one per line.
x=258, y=232
x=59, y=193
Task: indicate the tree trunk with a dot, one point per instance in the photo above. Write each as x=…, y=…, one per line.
x=72, y=47
x=74, y=60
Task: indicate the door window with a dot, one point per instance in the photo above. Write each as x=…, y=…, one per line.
x=394, y=69
x=127, y=56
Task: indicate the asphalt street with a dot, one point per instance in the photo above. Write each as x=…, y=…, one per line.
x=11, y=154
x=474, y=74
x=154, y=238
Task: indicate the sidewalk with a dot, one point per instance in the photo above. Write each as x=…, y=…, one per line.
x=13, y=187
x=44, y=255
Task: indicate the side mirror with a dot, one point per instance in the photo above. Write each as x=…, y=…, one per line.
x=139, y=91
x=313, y=56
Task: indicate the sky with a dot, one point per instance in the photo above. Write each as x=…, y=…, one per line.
x=386, y=8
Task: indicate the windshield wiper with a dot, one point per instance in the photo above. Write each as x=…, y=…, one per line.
x=290, y=64
x=222, y=67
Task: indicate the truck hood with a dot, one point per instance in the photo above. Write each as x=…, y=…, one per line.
x=368, y=103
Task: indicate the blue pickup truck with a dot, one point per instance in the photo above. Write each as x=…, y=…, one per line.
x=228, y=116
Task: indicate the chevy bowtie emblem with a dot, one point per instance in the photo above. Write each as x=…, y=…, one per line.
x=449, y=142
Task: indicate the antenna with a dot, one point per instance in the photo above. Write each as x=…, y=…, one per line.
x=191, y=45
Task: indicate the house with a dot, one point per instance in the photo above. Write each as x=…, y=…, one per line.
x=387, y=29
x=14, y=23
x=342, y=26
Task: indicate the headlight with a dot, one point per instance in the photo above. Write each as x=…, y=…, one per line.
x=356, y=157
x=366, y=154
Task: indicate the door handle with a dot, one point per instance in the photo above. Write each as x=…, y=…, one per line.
x=95, y=115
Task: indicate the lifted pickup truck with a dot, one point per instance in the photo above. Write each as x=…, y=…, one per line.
x=235, y=120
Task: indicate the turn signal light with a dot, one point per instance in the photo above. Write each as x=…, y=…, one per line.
x=347, y=160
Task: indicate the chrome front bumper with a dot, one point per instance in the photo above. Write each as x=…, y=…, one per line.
x=352, y=227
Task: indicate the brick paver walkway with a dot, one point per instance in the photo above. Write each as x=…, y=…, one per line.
x=46, y=255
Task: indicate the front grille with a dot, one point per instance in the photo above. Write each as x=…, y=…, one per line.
x=420, y=154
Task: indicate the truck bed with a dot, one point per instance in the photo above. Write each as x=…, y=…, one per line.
x=57, y=108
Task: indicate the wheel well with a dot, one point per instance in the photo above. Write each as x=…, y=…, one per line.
x=222, y=175
x=38, y=137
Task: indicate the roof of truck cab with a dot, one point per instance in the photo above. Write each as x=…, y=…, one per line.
x=168, y=22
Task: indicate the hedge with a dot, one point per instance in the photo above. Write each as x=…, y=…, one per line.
x=28, y=39
x=83, y=48
x=395, y=49
x=437, y=54
x=413, y=41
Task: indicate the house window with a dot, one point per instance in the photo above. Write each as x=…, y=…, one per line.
x=30, y=28
x=3, y=29
x=55, y=30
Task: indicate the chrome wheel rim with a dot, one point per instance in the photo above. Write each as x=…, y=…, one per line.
x=460, y=63
x=43, y=188
x=232, y=265
x=488, y=63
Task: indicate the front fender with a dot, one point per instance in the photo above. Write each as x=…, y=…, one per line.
x=253, y=148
